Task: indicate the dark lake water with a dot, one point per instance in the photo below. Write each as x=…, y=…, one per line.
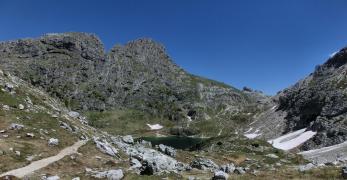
x=174, y=141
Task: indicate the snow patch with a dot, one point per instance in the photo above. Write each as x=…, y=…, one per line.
x=292, y=140
x=325, y=149
x=333, y=54
x=252, y=135
x=155, y=126
x=273, y=108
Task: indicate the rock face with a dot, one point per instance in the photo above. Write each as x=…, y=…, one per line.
x=204, y=164
x=75, y=68
x=167, y=150
x=319, y=103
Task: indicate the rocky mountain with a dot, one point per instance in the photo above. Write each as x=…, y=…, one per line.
x=75, y=68
x=318, y=103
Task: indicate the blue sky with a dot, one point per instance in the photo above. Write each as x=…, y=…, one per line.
x=266, y=44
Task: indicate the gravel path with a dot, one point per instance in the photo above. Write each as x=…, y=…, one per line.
x=36, y=165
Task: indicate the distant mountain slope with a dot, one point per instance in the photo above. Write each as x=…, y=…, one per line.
x=140, y=75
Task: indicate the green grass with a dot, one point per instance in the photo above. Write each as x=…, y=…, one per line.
x=125, y=121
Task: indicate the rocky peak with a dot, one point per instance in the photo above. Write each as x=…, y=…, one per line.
x=338, y=59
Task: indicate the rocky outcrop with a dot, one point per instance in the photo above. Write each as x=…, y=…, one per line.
x=319, y=103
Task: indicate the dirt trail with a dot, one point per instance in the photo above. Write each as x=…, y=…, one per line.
x=36, y=165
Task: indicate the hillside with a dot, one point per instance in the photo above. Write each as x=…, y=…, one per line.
x=139, y=75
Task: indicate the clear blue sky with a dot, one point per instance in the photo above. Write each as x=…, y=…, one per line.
x=265, y=44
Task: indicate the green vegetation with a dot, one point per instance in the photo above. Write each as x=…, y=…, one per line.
x=125, y=121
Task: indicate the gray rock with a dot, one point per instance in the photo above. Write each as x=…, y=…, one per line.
x=306, y=167
x=6, y=107
x=110, y=174
x=15, y=126
x=73, y=114
x=135, y=164
x=31, y=135
x=167, y=150
x=128, y=139
x=239, y=170
x=152, y=161
x=53, y=142
x=52, y=178
x=105, y=147
x=229, y=168
x=66, y=126
x=220, y=175
x=274, y=156
x=344, y=172
x=204, y=164
x=21, y=106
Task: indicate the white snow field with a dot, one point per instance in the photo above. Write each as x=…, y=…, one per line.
x=155, y=126
x=292, y=140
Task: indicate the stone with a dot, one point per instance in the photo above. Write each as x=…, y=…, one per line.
x=344, y=172
x=6, y=107
x=9, y=87
x=15, y=126
x=239, y=170
x=17, y=153
x=76, y=178
x=66, y=126
x=274, y=156
x=53, y=142
x=134, y=163
x=128, y=139
x=21, y=106
x=306, y=167
x=203, y=164
x=31, y=135
x=110, y=174
x=73, y=114
x=229, y=168
x=2, y=131
x=105, y=147
x=220, y=175
x=167, y=150
x=52, y=178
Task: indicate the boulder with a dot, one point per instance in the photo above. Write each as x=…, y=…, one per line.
x=229, y=168
x=6, y=107
x=167, y=150
x=274, y=156
x=53, y=142
x=21, y=106
x=52, y=178
x=73, y=114
x=66, y=126
x=15, y=126
x=110, y=174
x=128, y=139
x=31, y=135
x=306, y=167
x=105, y=147
x=344, y=172
x=239, y=170
x=220, y=175
x=204, y=164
